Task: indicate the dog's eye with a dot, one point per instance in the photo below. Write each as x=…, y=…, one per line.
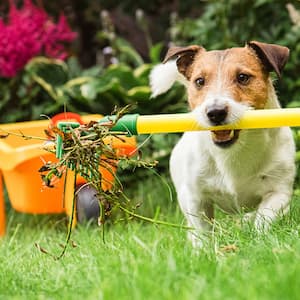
x=243, y=78
x=199, y=82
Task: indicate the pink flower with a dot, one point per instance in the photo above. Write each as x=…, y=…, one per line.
x=29, y=32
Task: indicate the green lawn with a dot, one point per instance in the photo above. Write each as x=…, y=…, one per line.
x=145, y=261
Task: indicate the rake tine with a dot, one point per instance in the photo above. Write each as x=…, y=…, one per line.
x=64, y=127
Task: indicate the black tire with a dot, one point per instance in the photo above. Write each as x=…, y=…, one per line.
x=87, y=204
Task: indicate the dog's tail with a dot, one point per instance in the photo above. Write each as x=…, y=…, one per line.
x=163, y=76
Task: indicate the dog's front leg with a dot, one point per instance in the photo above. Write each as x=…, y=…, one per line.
x=273, y=205
x=198, y=213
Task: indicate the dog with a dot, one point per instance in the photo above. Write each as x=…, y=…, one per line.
x=237, y=170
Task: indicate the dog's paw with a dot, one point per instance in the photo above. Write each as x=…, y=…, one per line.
x=197, y=240
x=262, y=223
x=248, y=217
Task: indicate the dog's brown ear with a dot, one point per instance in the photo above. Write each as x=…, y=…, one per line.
x=274, y=57
x=184, y=57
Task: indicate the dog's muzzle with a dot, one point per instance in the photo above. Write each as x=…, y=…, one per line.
x=225, y=138
x=217, y=115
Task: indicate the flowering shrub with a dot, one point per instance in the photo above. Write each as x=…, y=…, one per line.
x=28, y=32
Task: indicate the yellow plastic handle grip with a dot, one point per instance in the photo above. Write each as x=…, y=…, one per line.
x=264, y=118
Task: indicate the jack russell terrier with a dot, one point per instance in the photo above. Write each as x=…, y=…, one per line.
x=236, y=170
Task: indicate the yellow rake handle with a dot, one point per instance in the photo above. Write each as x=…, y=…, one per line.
x=134, y=124
x=168, y=123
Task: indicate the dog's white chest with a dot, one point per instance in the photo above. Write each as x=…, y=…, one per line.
x=234, y=193
x=239, y=180
x=234, y=179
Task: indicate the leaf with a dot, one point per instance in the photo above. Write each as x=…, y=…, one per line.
x=229, y=248
x=46, y=86
x=88, y=91
x=78, y=81
x=127, y=53
x=41, y=249
x=259, y=3
x=52, y=71
x=74, y=67
x=142, y=73
x=93, y=71
x=155, y=53
x=140, y=93
x=123, y=74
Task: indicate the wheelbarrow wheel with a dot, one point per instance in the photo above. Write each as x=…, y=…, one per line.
x=87, y=204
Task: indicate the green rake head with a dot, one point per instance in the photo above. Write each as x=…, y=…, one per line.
x=127, y=124
x=74, y=162
x=64, y=127
x=85, y=148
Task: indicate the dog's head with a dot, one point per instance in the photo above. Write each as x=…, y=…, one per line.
x=221, y=85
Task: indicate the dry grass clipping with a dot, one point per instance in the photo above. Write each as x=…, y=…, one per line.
x=85, y=152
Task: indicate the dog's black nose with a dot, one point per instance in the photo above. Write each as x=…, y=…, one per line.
x=217, y=114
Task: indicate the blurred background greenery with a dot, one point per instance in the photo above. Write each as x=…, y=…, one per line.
x=118, y=42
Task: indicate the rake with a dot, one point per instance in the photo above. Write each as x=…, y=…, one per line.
x=135, y=124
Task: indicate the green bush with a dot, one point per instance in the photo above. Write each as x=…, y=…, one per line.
x=49, y=86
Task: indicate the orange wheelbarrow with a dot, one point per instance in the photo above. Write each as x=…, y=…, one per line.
x=22, y=157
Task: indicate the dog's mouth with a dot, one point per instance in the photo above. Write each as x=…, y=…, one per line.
x=225, y=138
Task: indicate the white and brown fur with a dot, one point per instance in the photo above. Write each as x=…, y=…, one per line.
x=247, y=170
